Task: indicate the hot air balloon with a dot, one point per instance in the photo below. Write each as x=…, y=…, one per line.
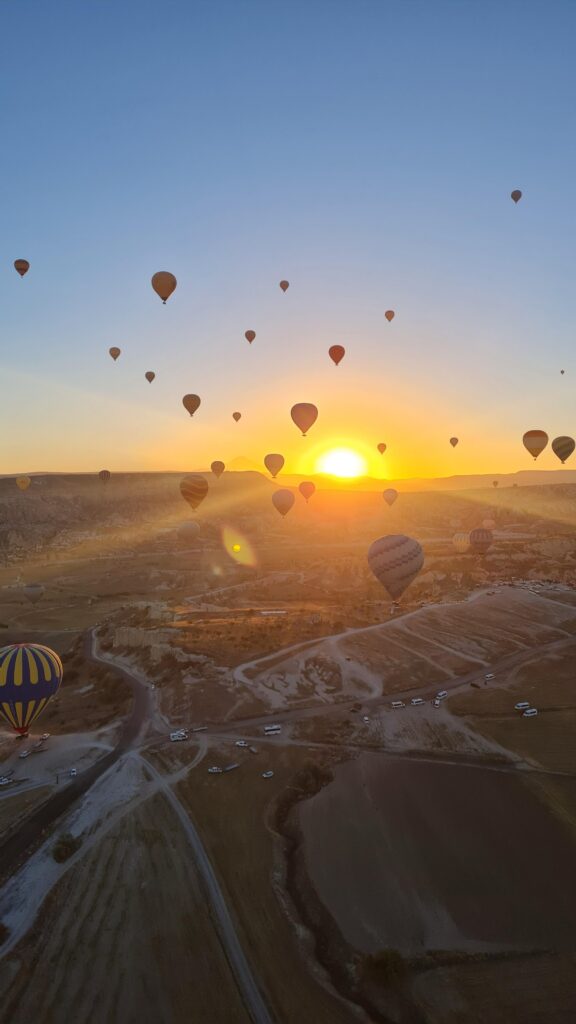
x=22, y=266
x=23, y=483
x=495, y=483
x=461, y=542
x=516, y=195
x=194, y=489
x=304, y=415
x=33, y=592
x=236, y=416
x=381, y=447
x=390, y=495
x=191, y=403
x=563, y=447
x=250, y=335
x=273, y=464
x=164, y=284
x=149, y=376
x=481, y=540
x=283, y=501
x=389, y=314
x=104, y=475
x=535, y=442
x=336, y=353
x=453, y=441
x=30, y=675
x=114, y=352
x=284, y=285
x=395, y=561
x=188, y=530
x=307, y=489
x=562, y=371
x=217, y=468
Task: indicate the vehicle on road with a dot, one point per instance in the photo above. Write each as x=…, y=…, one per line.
x=436, y=702
x=241, y=743
x=23, y=753
x=178, y=736
x=489, y=676
x=441, y=694
x=397, y=704
x=272, y=730
x=365, y=718
x=267, y=775
x=73, y=773
x=530, y=712
x=416, y=700
x=5, y=782
x=522, y=705
x=45, y=736
x=214, y=770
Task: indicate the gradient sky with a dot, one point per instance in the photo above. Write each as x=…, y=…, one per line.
x=363, y=149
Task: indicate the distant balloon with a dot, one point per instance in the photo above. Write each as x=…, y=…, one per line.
x=30, y=675
x=283, y=501
x=164, y=284
x=495, y=483
x=336, y=353
x=273, y=463
x=516, y=195
x=395, y=561
x=194, y=489
x=250, y=335
x=284, y=285
x=535, y=442
x=114, y=352
x=453, y=441
x=381, y=448
x=561, y=371
x=22, y=266
x=104, y=475
x=304, y=415
x=23, y=483
x=389, y=314
x=149, y=376
x=188, y=530
x=481, y=540
x=461, y=542
x=307, y=489
x=390, y=495
x=217, y=468
x=236, y=416
x=191, y=403
x=563, y=447
x=33, y=592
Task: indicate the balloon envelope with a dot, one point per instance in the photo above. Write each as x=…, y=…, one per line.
x=304, y=415
x=164, y=283
x=283, y=501
x=250, y=335
x=461, y=542
x=336, y=353
x=563, y=447
x=453, y=441
x=535, y=442
x=33, y=592
x=273, y=463
x=307, y=489
x=395, y=561
x=104, y=475
x=22, y=266
x=389, y=314
x=191, y=403
x=390, y=495
x=495, y=483
x=194, y=489
x=23, y=483
x=30, y=675
x=217, y=468
x=381, y=448
x=481, y=540
x=149, y=376
x=236, y=416
x=516, y=195
x=114, y=352
x=284, y=285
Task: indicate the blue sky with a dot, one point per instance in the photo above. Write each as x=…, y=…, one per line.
x=365, y=151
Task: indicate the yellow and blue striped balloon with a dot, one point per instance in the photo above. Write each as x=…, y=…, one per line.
x=30, y=675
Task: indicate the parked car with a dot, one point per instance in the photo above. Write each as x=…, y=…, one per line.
x=417, y=700
x=441, y=694
x=267, y=775
x=73, y=773
x=397, y=704
x=436, y=702
x=530, y=712
x=241, y=743
x=45, y=736
x=522, y=705
x=365, y=718
x=214, y=770
x=489, y=676
x=24, y=753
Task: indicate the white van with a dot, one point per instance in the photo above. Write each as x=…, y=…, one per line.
x=417, y=700
x=397, y=704
x=530, y=712
x=522, y=705
x=441, y=694
x=489, y=676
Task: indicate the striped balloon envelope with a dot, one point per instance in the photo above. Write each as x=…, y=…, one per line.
x=563, y=447
x=535, y=442
x=481, y=540
x=30, y=675
x=395, y=561
x=194, y=489
x=461, y=542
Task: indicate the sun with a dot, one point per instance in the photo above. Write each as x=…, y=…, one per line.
x=343, y=462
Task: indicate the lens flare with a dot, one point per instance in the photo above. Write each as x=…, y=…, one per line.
x=238, y=546
x=343, y=462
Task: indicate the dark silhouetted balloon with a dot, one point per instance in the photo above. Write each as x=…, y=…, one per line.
x=481, y=540
x=217, y=468
x=535, y=442
x=395, y=561
x=104, y=475
x=191, y=403
x=563, y=447
x=381, y=448
x=194, y=489
x=23, y=483
x=304, y=415
x=22, y=266
x=389, y=314
x=516, y=195
x=390, y=495
x=283, y=501
x=236, y=416
x=562, y=371
x=284, y=285
x=495, y=483
x=149, y=376
x=453, y=441
x=273, y=463
x=250, y=335
x=30, y=675
x=307, y=489
x=336, y=353
x=114, y=352
x=164, y=284
x=34, y=592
